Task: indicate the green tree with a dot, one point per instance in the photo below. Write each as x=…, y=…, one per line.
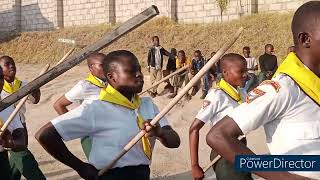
x=222, y=4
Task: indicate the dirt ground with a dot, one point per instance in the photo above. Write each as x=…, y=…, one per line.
x=167, y=164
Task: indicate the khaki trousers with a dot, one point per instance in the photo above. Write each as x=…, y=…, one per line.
x=155, y=76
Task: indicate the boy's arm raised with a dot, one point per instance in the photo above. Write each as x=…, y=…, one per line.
x=197, y=172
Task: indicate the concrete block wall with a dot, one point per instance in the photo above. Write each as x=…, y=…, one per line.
x=84, y=12
x=126, y=9
x=7, y=16
x=38, y=15
x=279, y=5
x=206, y=11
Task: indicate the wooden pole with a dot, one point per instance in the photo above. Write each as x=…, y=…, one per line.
x=175, y=100
x=165, y=78
x=19, y=106
x=72, y=61
x=24, y=99
x=216, y=159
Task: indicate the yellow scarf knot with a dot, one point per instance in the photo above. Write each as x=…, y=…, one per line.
x=12, y=88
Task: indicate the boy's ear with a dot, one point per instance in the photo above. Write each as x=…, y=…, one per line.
x=110, y=77
x=304, y=39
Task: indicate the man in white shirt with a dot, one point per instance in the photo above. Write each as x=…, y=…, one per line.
x=287, y=106
x=252, y=66
x=88, y=89
x=111, y=122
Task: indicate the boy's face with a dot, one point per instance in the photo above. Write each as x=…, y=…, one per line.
x=270, y=50
x=173, y=52
x=96, y=68
x=197, y=55
x=8, y=67
x=246, y=53
x=236, y=73
x=127, y=76
x=156, y=41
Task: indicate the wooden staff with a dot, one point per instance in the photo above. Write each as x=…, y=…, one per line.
x=175, y=100
x=216, y=159
x=77, y=58
x=165, y=78
x=23, y=100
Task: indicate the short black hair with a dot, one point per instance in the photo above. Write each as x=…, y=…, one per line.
x=154, y=37
x=230, y=57
x=95, y=55
x=305, y=18
x=5, y=57
x=268, y=45
x=246, y=48
x=197, y=51
x=114, y=58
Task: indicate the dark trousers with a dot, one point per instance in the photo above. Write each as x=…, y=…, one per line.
x=141, y=172
x=4, y=166
x=226, y=171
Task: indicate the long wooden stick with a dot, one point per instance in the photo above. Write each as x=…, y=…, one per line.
x=24, y=99
x=175, y=100
x=20, y=104
x=216, y=159
x=77, y=58
x=165, y=78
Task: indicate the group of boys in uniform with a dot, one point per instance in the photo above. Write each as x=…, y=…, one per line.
x=111, y=113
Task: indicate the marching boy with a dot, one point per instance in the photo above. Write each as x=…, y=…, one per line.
x=85, y=89
x=14, y=137
x=22, y=162
x=288, y=106
x=216, y=105
x=111, y=122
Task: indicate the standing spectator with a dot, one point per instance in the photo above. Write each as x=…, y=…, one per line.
x=155, y=63
x=170, y=67
x=268, y=63
x=252, y=66
x=208, y=78
x=197, y=63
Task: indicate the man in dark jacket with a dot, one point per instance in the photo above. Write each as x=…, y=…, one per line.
x=268, y=63
x=155, y=63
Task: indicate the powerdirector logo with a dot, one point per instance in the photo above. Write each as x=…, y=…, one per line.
x=249, y=163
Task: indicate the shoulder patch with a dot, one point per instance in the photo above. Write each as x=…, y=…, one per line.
x=274, y=84
x=254, y=94
x=205, y=104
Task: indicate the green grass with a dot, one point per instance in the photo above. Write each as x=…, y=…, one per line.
x=43, y=47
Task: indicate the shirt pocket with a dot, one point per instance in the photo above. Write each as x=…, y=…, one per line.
x=304, y=131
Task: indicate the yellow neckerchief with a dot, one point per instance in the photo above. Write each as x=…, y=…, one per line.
x=93, y=80
x=12, y=88
x=109, y=94
x=305, y=78
x=227, y=88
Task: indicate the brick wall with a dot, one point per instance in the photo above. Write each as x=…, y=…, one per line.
x=38, y=15
x=7, y=16
x=30, y=15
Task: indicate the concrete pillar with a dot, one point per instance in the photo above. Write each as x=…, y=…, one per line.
x=173, y=9
x=59, y=14
x=111, y=11
x=16, y=6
